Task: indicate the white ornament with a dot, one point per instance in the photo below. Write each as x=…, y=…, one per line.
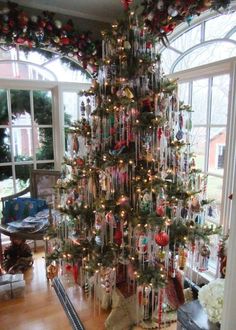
x=58, y=23
x=172, y=11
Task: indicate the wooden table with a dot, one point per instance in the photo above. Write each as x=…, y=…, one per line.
x=191, y=316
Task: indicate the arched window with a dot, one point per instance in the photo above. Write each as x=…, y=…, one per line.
x=211, y=40
x=202, y=57
x=39, y=97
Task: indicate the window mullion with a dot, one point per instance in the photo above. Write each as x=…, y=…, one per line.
x=208, y=130
x=11, y=139
x=33, y=130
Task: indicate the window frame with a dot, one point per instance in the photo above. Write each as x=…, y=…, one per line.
x=213, y=69
x=57, y=89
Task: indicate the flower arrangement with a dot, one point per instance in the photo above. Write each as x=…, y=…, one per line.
x=211, y=298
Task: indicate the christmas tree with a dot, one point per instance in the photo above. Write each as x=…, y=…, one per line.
x=131, y=193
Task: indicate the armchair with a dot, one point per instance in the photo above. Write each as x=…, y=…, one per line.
x=27, y=203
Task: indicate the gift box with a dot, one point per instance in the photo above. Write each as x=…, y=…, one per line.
x=11, y=286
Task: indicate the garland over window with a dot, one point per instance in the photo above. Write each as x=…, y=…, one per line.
x=45, y=31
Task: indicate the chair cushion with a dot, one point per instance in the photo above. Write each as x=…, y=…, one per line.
x=21, y=208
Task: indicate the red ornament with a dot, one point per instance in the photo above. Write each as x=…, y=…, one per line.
x=126, y=3
x=68, y=267
x=80, y=162
x=160, y=211
x=118, y=236
x=65, y=41
x=162, y=238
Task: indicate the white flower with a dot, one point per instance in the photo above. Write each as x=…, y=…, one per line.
x=211, y=299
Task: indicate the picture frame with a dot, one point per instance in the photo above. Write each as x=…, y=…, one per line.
x=42, y=184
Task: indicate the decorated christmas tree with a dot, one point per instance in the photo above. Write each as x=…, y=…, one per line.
x=131, y=194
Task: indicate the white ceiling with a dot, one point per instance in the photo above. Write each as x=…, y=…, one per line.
x=99, y=10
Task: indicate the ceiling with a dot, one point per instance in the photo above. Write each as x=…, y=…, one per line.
x=98, y=10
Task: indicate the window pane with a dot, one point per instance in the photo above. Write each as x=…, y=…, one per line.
x=217, y=150
x=5, y=146
x=36, y=57
x=188, y=39
x=3, y=107
x=219, y=26
x=20, y=107
x=42, y=107
x=22, y=176
x=214, y=191
x=22, y=144
x=168, y=56
x=71, y=107
x=44, y=144
x=220, y=96
x=6, y=181
x=63, y=72
x=183, y=92
x=198, y=145
x=45, y=166
x=199, y=101
x=205, y=54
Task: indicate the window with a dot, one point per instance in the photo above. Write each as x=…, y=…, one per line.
x=40, y=98
x=207, y=42
x=203, y=60
x=191, y=57
x=209, y=99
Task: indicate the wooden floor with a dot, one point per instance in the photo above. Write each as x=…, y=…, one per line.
x=39, y=308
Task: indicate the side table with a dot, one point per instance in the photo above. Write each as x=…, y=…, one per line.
x=191, y=316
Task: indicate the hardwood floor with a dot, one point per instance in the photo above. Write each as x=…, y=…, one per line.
x=40, y=309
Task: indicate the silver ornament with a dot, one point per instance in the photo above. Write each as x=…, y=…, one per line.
x=160, y=5
x=34, y=19
x=172, y=11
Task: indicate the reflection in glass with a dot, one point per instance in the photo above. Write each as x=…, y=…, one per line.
x=205, y=54
x=71, y=107
x=198, y=145
x=20, y=107
x=64, y=72
x=188, y=39
x=6, y=181
x=168, y=56
x=199, y=101
x=219, y=26
x=5, y=145
x=44, y=144
x=217, y=150
x=45, y=166
x=42, y=107
x=22, y=176
x=3, y=107
x=220, y=96
x=183, y=92
x=214, y=192
x=22, y=144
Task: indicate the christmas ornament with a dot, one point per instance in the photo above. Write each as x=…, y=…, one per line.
x=58, y=24
x=172, y=11
x=205, y=251
x=162, y=238
x=126, y=3
x=118, y=236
